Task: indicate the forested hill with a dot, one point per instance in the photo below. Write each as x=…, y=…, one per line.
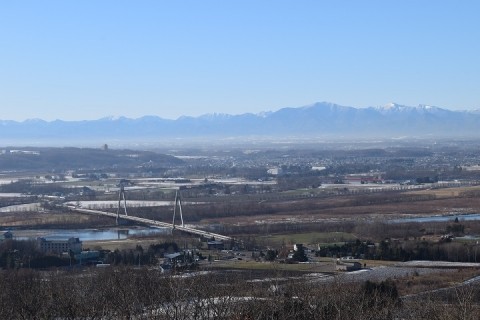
x=81, y=158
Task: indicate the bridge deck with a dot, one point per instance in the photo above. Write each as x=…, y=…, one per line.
x=154, y=223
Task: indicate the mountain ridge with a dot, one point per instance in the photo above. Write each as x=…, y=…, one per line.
x=319, y=119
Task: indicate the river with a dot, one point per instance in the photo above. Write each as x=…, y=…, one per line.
x=461, y=217
x=88, y=234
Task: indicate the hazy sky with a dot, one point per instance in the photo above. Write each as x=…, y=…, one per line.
x=76, y=60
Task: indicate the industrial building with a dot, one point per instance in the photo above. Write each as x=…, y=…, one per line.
x=59, y=246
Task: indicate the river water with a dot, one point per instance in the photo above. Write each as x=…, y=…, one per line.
x=125, y=233
x=461, y=217
x=88, y=234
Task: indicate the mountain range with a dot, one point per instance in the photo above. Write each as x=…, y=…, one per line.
x=323, y=119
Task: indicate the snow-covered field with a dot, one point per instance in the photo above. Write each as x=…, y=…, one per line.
x=438, y=264
x=22, y=208
x=383, y=273
x=114, y=204
x=98, y=205
x=7, y=180
x=10, y=195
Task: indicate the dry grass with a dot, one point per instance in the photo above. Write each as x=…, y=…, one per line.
x=320, y=267
x=124, y=244
x=446, y=192
x=51, y=219
x=416, y=283
x=356, y=207
x=337, y=208
x=307, y=238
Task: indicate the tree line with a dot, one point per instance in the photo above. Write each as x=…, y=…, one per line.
x=405, y=250
x=15, y=254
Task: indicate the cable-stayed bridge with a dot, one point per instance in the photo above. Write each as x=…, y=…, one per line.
x=150, y=222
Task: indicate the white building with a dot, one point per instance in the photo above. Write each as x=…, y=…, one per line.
x=275, y=171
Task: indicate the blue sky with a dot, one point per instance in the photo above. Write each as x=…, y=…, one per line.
x=75, y=60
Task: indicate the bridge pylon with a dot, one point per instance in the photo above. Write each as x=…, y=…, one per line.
x=121, y=195
x=178, y=202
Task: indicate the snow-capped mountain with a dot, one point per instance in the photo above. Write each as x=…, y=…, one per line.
x=321, y=119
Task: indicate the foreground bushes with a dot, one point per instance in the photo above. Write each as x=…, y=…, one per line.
x=128, y=293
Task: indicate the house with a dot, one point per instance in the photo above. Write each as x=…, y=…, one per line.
x=87, y=192
x=174, y=256
x=6, y=235
x=363, y=178
x=215, y=245
x=275, y=171
x=87, y=256
x=298, y=247
x=341, y=265
x=173, y=260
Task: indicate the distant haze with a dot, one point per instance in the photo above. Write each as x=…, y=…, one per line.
x=317, y=121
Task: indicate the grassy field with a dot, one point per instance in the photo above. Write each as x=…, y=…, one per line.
x=446, y=192
x=415, y=283
x=308, y=238
x=274, y=266
x=47, y=219
x=123, y=244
